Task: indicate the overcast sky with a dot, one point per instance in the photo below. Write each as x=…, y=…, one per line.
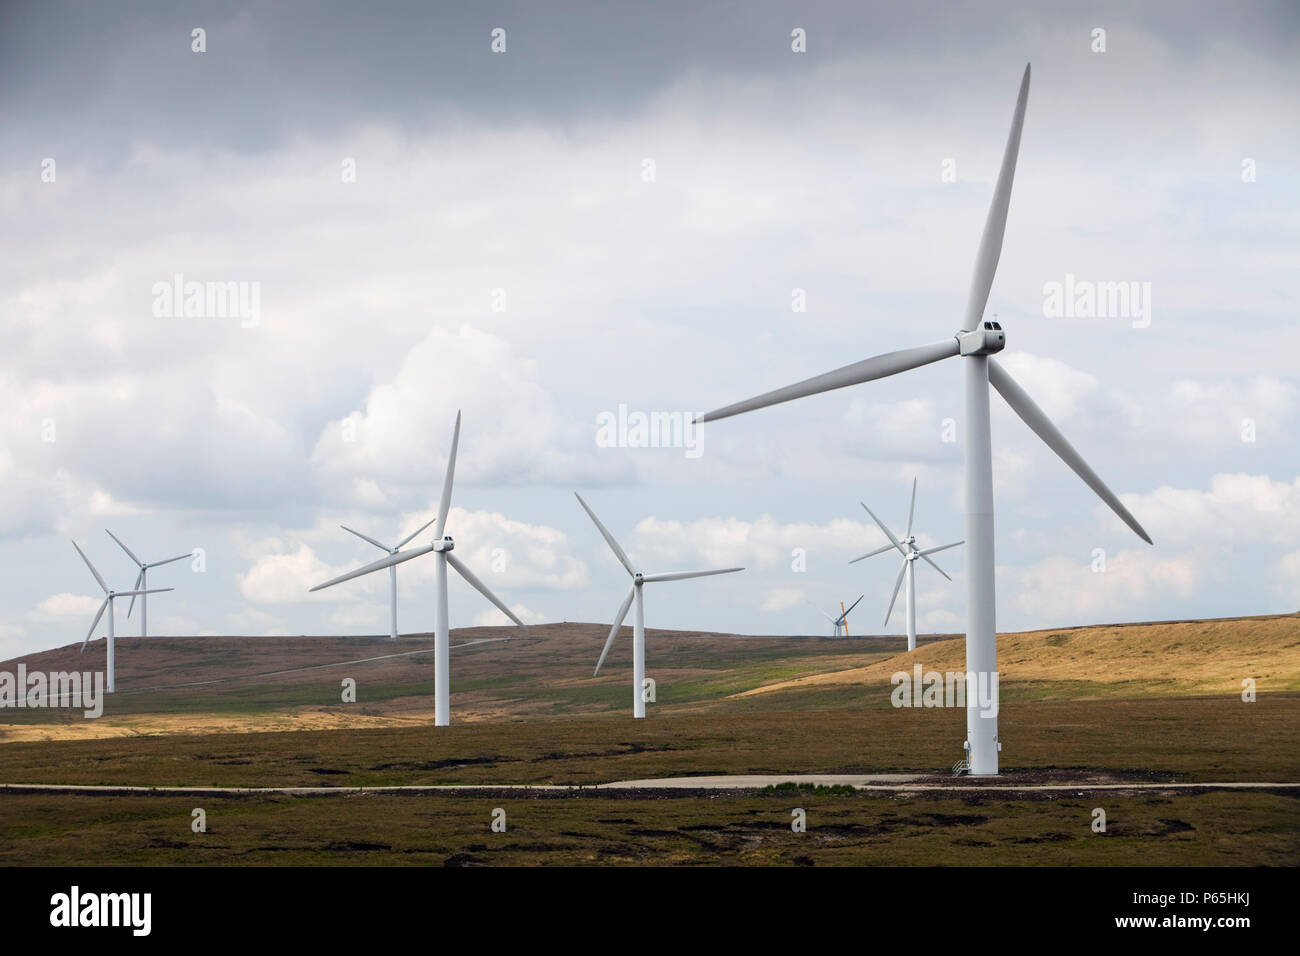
x=618, y=210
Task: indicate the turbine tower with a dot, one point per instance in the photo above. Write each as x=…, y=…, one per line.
x=639, y=579
x=976, y=342
x=142, y=581
x=392, y=571
x=109, y=596
x=441, y=547
x=911, y=553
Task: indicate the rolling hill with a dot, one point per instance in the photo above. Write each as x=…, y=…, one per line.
x=190, y=685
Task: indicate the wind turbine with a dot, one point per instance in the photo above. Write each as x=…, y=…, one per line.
x=976, y=342
x=910, y=552
x=634, y=594
x=442, y=547
x=141, y=581
x=109, y=595
x=392, y=570
x=842, y=620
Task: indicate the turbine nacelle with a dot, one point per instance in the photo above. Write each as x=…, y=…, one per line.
x=988, y=339
x=446, y=544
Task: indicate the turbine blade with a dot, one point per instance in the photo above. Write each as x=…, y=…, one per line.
x=366, y=537
x=942, y=547
x=379, y=565
x=609, y=538
x=613, y=631
x=95, y=622
x=897, y=584
x=444, y=504
x=407, y=540
x=1042, y=426
x=91, y=566
x=872, y=554
x=683, y=575
x=926, y=557
x=889, y=534
x=911, y=510
x=833, y=620
x=891, y=363
x=852, y=606
x=179, y=557
x=149, y=591
x=990, y=250
x=138, y=579
x=482, y=588
x=123, y=547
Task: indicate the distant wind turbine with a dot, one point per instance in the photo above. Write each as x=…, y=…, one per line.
x=910, y=552
x=843, y=620
x=109, y=596
x=442, y=547
x=392, y=570
x=142, y=580
x=634, y=594
x=976, y=342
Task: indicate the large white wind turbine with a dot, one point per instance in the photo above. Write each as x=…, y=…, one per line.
x=109, y=596
x=843, y=620
x=911, y=553
x=442, y=547
x=142, y=581
x=634, y=595
x=392, y=570
x=976, y=341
